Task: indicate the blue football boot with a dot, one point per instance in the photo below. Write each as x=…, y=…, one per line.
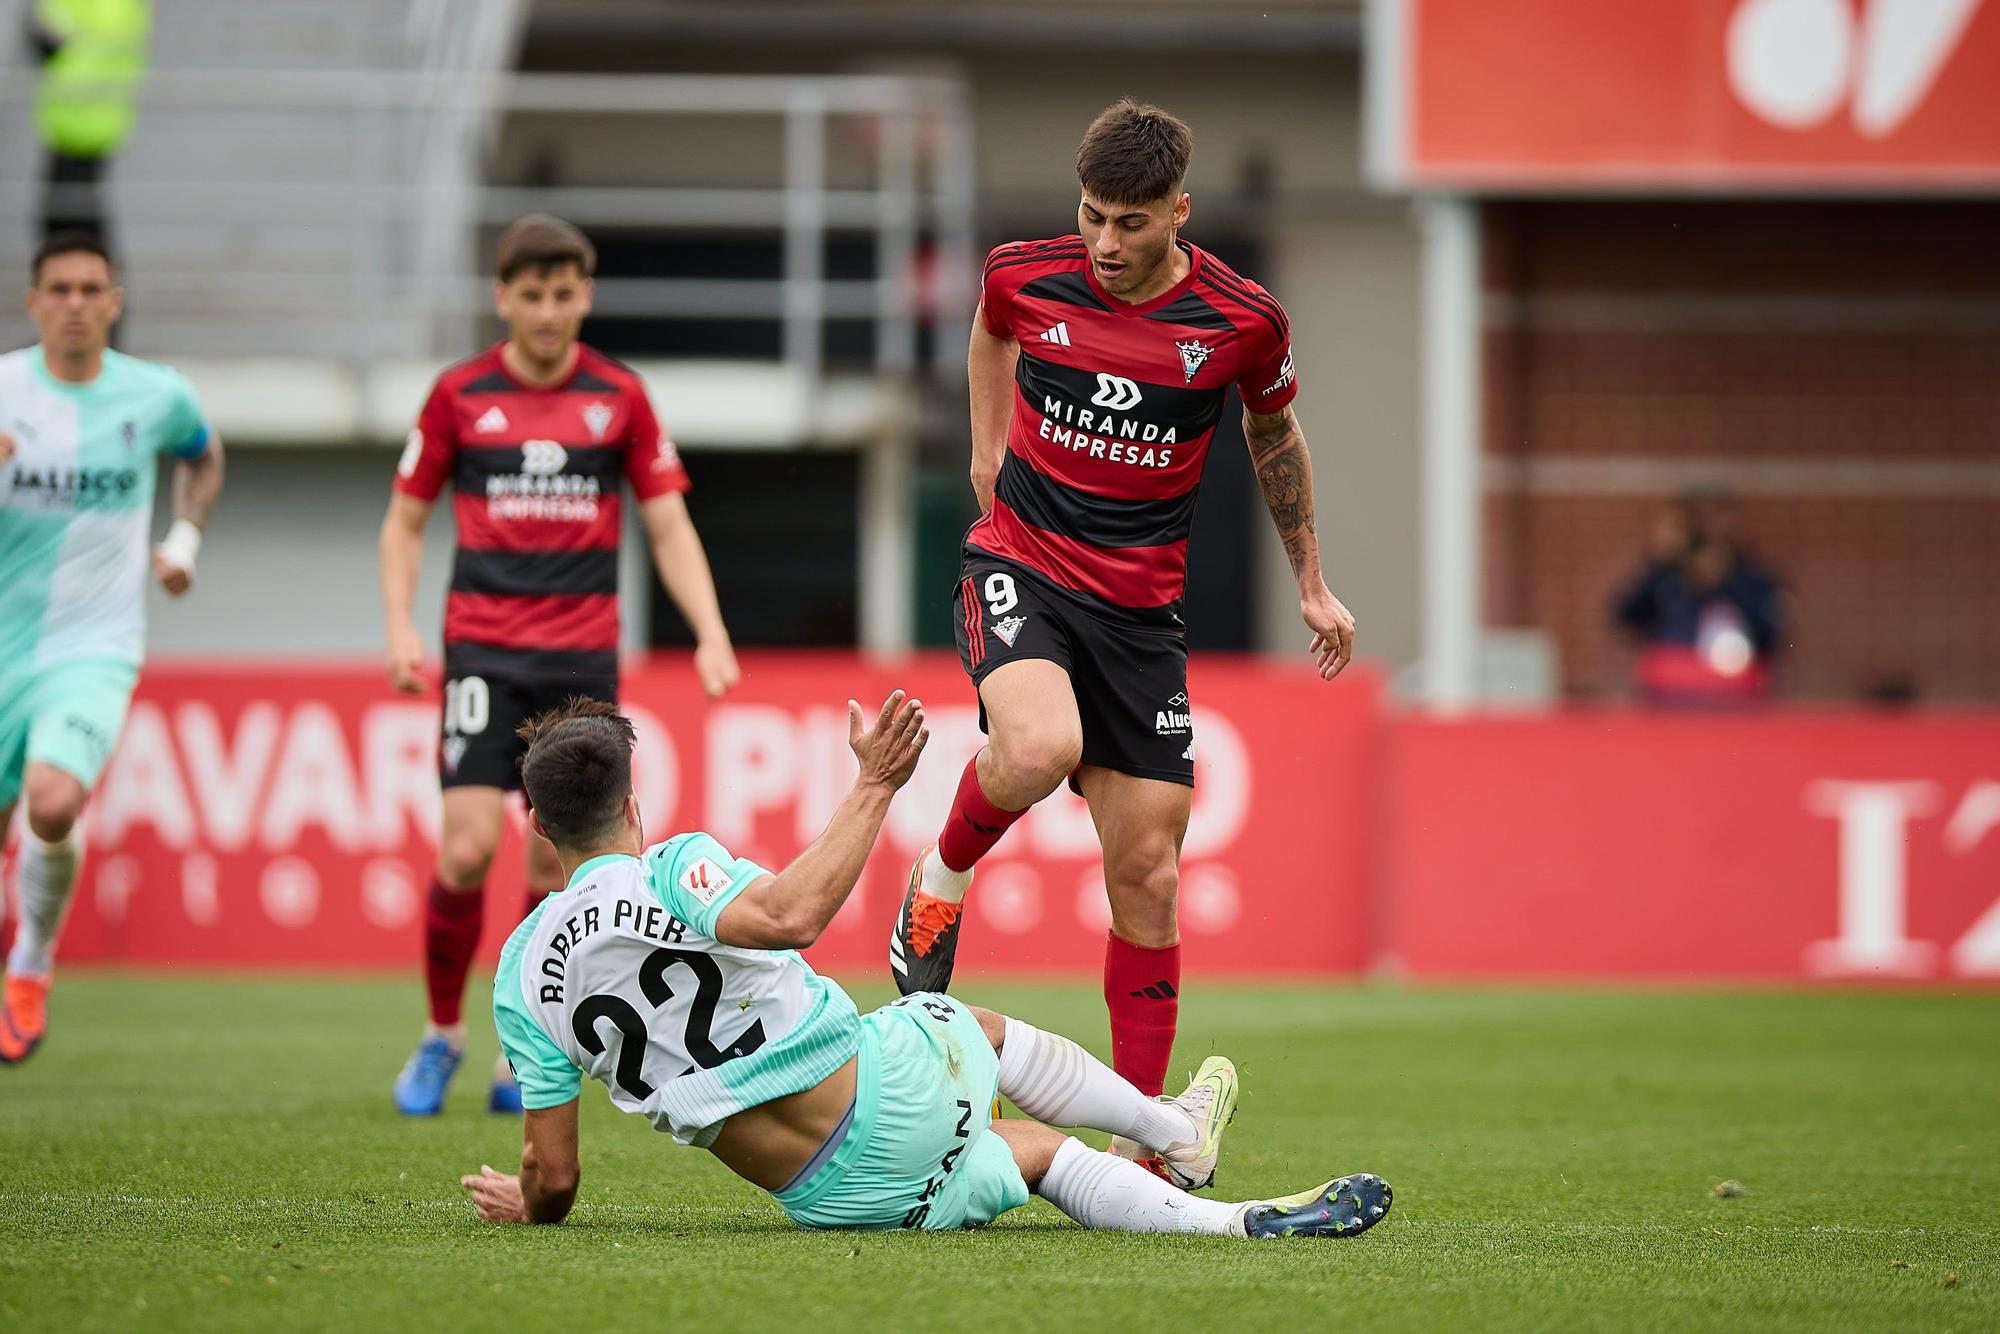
x=421, y=1087
x=1343, y=1208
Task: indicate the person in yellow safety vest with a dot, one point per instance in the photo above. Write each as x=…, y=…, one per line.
x=93, y=57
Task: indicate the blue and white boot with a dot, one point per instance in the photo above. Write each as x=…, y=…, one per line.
x=1346, y=1207
x=420, y=1089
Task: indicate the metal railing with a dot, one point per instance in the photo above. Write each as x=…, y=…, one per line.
x=338, y=213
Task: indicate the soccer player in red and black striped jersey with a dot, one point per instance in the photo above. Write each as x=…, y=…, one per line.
x=539, y=438
x=1099, y=367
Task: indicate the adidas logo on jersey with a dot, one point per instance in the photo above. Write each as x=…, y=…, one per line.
x=490, y=421
x=1059, y=334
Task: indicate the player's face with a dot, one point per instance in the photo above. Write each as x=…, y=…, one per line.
x=1129, y=243
x=75, y=303
x=544, y=311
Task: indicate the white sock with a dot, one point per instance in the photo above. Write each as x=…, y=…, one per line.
x=1060, y=1084
x=48, y=873
x=1113, y=1194
x=941, y=882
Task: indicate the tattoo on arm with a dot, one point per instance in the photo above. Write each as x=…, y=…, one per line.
x=1284, y=471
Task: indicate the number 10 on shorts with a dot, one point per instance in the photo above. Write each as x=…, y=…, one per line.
x=468, y=706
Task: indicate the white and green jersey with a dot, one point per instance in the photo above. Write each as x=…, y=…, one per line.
x=76, y=503
x=619, y=976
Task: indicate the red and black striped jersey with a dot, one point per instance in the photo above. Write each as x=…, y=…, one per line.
x=537, y=478
x=1114, y=410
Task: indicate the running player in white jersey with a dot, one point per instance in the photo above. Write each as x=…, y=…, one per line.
x=670, y=974
x=80, y=429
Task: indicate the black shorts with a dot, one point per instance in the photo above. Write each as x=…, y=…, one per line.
x=489, y=692
x=1130, y=677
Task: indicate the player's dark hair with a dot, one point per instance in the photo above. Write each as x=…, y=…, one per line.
x=1134, y=153
x=578, y=771
x=73, y=241
x=542, y=243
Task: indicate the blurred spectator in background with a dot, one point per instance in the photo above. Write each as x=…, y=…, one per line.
x=93, y=55
x=1708, y=615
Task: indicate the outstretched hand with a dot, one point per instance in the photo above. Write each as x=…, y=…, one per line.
x=889, y=750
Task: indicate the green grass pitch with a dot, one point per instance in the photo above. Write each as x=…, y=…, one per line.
x=189, y=1153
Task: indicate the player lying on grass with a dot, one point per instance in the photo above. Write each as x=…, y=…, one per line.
x=669, y=974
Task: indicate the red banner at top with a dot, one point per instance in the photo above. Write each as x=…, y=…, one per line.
x=1760, y=94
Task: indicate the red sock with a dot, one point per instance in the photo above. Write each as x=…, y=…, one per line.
x=451, y=932
x=1142, y=990
x=974, y=825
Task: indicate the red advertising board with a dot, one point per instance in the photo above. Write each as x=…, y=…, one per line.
x=1770, y=94
x=1678, y=847
x=278, y=818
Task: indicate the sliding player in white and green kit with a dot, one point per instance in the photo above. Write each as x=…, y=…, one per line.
x=81, y=429
x=670, y=974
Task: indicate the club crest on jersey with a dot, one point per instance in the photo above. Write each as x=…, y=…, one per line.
x=704, y=879
x=1194, y=353
x=598, y=418
x=1007, y=629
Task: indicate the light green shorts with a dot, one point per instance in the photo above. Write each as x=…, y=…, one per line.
x=67, y=714
x=920, y=1153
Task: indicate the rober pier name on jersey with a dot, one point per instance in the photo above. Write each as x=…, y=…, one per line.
x=650, y=921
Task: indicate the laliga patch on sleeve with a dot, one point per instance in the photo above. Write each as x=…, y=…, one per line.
x=704, y=879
